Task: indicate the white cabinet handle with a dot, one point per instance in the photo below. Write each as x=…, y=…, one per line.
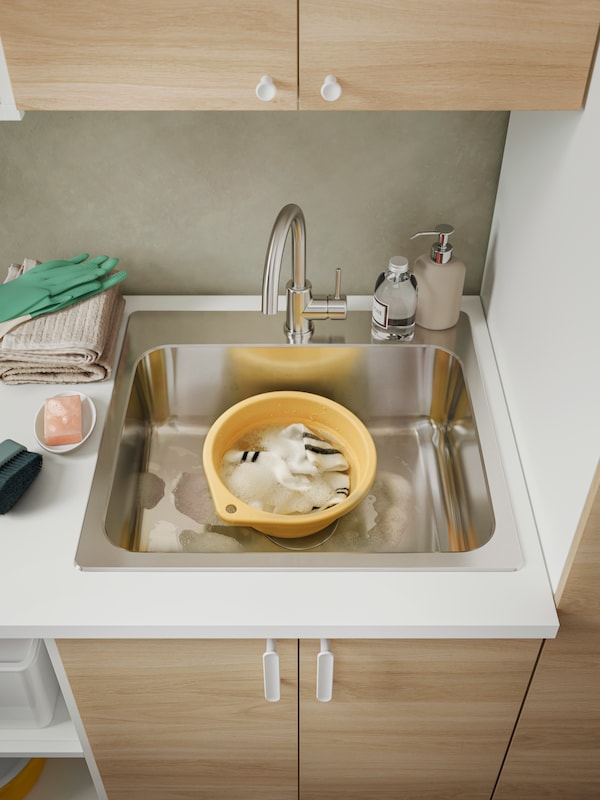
x=271, y=672
x=331, y=90
x=266, y=89
x=324, y=673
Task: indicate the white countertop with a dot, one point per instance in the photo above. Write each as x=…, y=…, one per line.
x=43, y=594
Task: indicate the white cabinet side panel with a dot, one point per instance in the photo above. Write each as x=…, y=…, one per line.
x=541, y=293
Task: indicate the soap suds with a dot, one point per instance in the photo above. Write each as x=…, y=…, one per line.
x=286, y=470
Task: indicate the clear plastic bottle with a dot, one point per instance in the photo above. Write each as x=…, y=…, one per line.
x=394, y=302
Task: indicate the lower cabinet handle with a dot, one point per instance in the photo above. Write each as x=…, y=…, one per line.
x=271, y=672
x=324, y=673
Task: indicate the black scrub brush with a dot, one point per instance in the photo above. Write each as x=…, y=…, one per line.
x=18, y=469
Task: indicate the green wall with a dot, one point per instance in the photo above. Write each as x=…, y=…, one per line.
x=187, y=199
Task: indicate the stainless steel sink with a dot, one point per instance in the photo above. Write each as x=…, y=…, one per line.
x=439, y=500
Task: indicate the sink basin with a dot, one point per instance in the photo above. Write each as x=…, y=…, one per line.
x=439, y=500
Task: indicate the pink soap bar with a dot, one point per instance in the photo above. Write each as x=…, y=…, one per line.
x=62, y=420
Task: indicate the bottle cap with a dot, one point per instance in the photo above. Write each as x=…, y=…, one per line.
x=398, y=264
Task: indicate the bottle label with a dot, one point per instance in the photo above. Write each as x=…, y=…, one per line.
x=380, y=312
x=400, y=322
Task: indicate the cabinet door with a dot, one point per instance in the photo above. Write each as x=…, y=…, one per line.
x=149, y=54
x=417, y=719
x=555, y=753
x=186, y=718
x=435, y=54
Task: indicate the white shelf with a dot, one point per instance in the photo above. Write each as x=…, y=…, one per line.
x=64, y=779
x=59, y=738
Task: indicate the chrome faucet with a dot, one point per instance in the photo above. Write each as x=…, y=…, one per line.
x=302, y=307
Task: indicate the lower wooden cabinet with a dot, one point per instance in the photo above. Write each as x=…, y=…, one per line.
x=174, y=719
x=555, y=753
x=411, y=719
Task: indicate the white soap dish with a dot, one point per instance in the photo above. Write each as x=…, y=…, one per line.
x=88, y=421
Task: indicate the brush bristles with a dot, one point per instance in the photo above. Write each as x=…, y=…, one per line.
x=16, y=475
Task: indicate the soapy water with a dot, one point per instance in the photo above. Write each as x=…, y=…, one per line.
x=184, y=520
x=381, y=523
x=151, y=489
x=286, y=470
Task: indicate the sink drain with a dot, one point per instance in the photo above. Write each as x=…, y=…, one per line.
x=305, y=542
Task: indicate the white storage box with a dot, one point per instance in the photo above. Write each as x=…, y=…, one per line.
x=28, y=685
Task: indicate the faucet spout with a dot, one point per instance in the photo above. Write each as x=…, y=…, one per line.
x=289, y=216
x=302, y=307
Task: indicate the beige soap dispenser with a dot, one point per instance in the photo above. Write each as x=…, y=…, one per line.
x=440, y=279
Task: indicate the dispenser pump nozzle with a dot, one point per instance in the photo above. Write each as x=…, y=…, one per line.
x=441, y=251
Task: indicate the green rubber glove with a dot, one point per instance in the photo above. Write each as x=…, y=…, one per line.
x=56, y=284
x=77, y=294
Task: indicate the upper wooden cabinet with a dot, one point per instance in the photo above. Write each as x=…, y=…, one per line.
x=385, y=54
x=149, y=54
x=448, y=54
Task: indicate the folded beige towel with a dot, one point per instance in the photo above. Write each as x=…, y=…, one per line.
x=75, y=345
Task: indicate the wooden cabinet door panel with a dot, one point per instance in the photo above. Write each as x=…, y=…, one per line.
x=182, y=719
x=419, y=719
x=149, y=54
x=435, y=54
x=555, y=753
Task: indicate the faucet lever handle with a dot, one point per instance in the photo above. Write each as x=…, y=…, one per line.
x=336, y=306
x=338, y=284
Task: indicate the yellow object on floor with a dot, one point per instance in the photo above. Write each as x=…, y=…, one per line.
x=23, y=782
